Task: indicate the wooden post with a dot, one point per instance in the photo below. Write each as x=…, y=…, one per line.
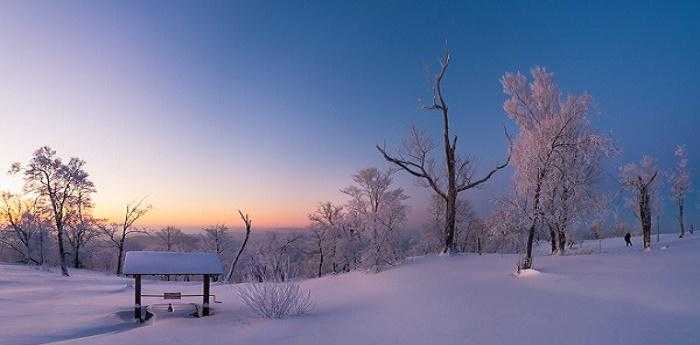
x=137, y=297
x=205, y=297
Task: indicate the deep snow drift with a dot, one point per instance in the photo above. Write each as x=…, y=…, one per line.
x=622, y=296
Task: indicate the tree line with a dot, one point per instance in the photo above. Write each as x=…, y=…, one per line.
x=555, y=195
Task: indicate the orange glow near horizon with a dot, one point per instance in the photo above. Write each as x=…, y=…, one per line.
x=196, y=219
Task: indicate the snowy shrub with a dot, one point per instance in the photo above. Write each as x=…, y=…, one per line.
x=276, y=300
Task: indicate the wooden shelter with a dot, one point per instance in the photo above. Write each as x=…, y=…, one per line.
x=139, y=263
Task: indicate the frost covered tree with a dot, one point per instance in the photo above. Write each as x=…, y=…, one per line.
x=638, y=179
x=507, y=225
x=570, y=194
x=325, y=222
x=680, y=184
x=417, y=159
x=170, y=238
x=118, y=233
x=216, y=238
x=377, y=209
x=60, y=185
x=550, y=132
x=275, y=257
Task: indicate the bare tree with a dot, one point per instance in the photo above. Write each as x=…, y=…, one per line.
x=680, y=184
x=417, y=160
x=248, y=227
x=639, y=180
x=118, y=233
x=60, y=186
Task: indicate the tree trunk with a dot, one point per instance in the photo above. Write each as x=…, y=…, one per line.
x=562, y=241
x=62, y=249
x=680, y=217
x=320, y=262
x=120, y=256
x=553, y=240
x=229, y=276
x=561, y=228
x=450, y=220
x=527, y=264
x=76, y=256
x=41, y=247
x=645, y=216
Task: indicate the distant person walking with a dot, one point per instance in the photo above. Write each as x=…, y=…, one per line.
x=628, y=239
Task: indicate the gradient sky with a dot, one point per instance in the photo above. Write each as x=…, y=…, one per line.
x=207, y=107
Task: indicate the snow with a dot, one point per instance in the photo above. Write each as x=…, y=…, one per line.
x=153, y=262
x=620, y=296
x=528, y=273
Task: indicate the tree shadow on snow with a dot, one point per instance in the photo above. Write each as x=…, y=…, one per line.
x=116, y=323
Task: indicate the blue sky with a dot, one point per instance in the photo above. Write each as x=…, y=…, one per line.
x=212, y=106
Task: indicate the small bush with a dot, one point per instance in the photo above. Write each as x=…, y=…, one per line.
x=276, y=300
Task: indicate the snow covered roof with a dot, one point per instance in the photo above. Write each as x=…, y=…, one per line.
x=152, y=262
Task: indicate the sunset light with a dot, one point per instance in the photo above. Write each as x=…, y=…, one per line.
x=349, y=172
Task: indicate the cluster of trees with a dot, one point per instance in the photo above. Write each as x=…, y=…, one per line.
x=557, y=157
x=363, y=232
x=54, y=214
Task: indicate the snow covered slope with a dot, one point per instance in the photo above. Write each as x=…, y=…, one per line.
x=620, y=296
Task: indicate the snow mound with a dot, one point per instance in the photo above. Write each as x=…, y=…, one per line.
x=527, y=273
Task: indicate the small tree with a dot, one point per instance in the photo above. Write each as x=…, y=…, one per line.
x=216, y=238
x=639, y=180
x=680, y=184
x=22, y=224
x=248, y=228
x=378, y=210
x=170, y=238
x=118, y=233
x=82, y=228
x=81, y=231
x=61, y=187
x=324, y=222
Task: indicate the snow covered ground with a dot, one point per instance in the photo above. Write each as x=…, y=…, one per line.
x=619, y=296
